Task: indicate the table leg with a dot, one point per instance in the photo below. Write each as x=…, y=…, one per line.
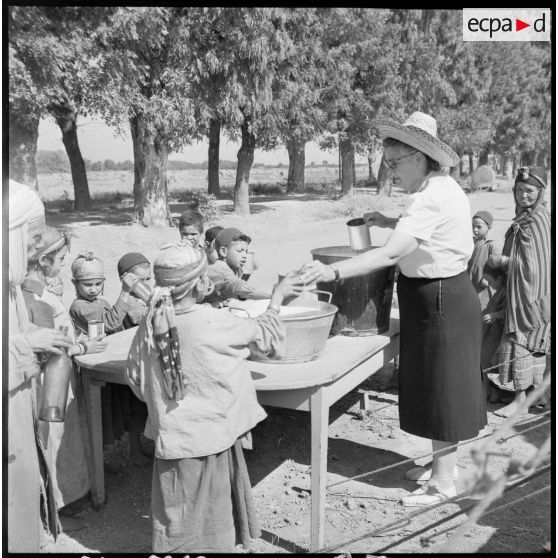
x=92, y=392
x=319, y=417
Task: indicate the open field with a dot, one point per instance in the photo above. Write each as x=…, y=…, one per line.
x=101, y=183
x=284, y=230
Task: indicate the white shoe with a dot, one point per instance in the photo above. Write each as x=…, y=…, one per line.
x=422, y=474
x=428, y=495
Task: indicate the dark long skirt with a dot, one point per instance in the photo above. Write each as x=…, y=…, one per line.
x=441, y=392
x=203, y=504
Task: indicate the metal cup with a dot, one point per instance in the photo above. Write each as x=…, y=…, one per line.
x=141, y=291
x=95, y=328
x=359, y=234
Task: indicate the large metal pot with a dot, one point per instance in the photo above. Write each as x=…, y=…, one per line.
x=364, y=302
x=307, y=329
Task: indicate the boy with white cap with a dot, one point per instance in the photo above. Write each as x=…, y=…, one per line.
x=120, y=412
x=88, y=277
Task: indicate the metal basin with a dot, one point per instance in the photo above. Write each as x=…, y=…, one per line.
x=307, y=330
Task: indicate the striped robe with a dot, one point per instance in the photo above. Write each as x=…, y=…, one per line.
x=528, y=246
x=528, y=295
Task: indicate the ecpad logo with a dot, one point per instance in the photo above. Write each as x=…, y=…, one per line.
x=506, y=25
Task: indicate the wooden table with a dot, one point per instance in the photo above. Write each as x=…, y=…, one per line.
x=309, y=386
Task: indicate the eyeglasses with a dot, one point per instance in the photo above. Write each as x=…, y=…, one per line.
x=525, y=173
x=392, y=163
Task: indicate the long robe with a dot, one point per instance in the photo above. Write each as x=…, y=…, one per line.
x=28, y=478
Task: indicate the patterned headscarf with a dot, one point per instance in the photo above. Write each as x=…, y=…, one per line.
x=534, y=176
x=178, y=268
x=87, y=266
x=54, y=241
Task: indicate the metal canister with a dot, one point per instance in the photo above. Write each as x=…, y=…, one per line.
x=95, y=328
x=359, y=234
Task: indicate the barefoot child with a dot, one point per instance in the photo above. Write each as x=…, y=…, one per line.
x=63, y=441
x=188, y=362
x=88, y=277
x=226, y=273
x=483, y=248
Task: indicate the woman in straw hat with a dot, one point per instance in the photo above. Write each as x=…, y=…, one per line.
x=187, y=361
x=30, y=498
x=441, y=394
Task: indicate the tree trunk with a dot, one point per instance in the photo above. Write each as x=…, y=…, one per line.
x=66, y=118
x=515, y=165
x=340, y=165
x=384, y=180
x=528, y=158
x=297, y=159
x=471, y=163
x=483, y=157
x=371, y=176
x=460, y=167
x=507, y=166
x=347, y=151
x=23, y=131
x=150, y=175
x=541, y=159
x=213, y=158
x=245, y=161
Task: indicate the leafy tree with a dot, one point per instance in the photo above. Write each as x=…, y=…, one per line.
x=49, y=57
x=520, y=101
x=144, y=77
x=260, y=50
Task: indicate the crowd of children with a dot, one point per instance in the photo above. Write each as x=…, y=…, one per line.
x=189, y=384
x=193, y=281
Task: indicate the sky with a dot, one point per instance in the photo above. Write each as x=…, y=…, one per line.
x=99, y=142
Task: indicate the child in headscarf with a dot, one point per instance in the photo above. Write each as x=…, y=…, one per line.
x=187, y=361
x=527, y=259
x=42, y=290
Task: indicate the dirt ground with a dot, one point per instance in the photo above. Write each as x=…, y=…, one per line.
x=284, y=232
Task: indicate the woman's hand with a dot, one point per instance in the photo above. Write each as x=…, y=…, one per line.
x=377, y=219
x=316, y=271
x=46, y=340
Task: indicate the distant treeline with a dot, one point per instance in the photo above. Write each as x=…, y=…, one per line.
x=57, y=161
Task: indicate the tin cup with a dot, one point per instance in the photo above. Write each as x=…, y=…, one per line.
x=95, y=328
x=141, y=291
x=359, y=234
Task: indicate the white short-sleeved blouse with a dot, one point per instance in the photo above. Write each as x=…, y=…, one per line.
x=439, y=217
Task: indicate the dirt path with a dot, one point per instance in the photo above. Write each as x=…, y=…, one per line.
x=284, y=233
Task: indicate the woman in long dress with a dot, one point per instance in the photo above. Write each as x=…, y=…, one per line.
x=441, y=393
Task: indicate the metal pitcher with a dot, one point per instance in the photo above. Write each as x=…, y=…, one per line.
x=359, y=234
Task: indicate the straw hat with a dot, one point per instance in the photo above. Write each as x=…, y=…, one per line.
x=420, y=131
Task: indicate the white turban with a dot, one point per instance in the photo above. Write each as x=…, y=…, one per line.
x=24, y=206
